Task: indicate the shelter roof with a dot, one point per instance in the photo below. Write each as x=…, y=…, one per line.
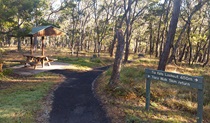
x=45, y=31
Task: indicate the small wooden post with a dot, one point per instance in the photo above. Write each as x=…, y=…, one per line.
x=200, y=106
x=148, y=81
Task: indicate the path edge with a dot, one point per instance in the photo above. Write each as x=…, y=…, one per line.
x=96, y=96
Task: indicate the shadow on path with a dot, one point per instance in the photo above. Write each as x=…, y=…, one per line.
x=74, y=101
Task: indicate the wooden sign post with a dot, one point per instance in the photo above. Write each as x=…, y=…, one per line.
x=178, y=79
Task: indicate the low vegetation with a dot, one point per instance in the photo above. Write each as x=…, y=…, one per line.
x=87, y=62
x=22, y=97
x=169, y=103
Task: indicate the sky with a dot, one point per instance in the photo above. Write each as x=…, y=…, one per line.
x=56, y=3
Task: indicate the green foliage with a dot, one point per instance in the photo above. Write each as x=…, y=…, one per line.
x=19, y=103
x=17, y=15
x=96, y=60
x=1, y=55
x=42, y=74
x=85, y=62
x=109, y=72
x=120, y=91
x=130, y=75
x=7, y=72
x=21, y=97
x=133, y=119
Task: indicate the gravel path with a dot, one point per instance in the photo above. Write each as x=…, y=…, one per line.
x=74, y=101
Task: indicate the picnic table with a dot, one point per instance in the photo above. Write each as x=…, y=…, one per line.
x=34, y=60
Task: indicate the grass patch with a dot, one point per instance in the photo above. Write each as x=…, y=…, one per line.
x=21, y=97
x=86, y=61
x=169, y=103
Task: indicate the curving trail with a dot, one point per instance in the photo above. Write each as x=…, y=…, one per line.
x=74, y=101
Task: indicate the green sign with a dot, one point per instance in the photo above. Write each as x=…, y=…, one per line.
x=178, y=79
x=173, y=78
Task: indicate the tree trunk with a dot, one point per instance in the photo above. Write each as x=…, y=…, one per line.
x=208, y=53
x=207, y=60
x=204, y=52
x=190, y=44
x=150, y=40
x=9, y=40
x=186, y=53
x=158, y=33
x=171, y=34
x=182, y=53
x=136, y=45
x=95, y=46
x=127, y=45
x=19, y=44
x=111, y=50
x=118, y=59
x=99, y=48
x=161, y=43
x=158, y=38
x=128, y=31
x=197, y=53
x=164, y=31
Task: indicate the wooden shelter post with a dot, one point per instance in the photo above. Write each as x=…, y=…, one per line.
x=32, y=45
x=42, y=45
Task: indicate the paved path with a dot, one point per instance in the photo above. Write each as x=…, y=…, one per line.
x=20, y=69
x=74, y=101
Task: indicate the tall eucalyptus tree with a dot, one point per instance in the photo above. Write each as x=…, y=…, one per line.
x=133, y=9
x=171, y=35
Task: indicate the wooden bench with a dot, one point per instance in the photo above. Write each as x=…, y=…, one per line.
x=49, y=60
x=33, y=64
x=46, y=60
x=20, y=61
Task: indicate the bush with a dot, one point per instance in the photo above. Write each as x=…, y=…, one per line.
x=7, y=72
x=133, y=119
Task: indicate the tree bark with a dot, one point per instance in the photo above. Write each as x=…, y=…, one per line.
x=171, y=34
x=158, y=33
x=190, y=44
x=205, y=49
x=197, y=53
x=128, y=30
x=164, y=31
x=208, y=52
x=182, y=53
x=150, y=39
x=118, y=58
x=113, y=43
x=19, y=43
x=136, y=45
